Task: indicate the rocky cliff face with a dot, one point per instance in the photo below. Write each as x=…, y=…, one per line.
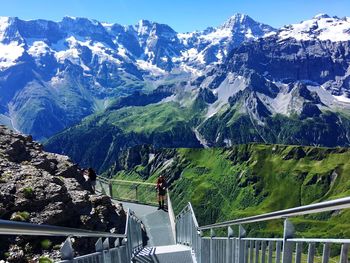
x=45, y=188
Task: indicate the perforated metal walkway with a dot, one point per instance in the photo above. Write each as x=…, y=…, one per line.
x=157, y=224
x=161, y=246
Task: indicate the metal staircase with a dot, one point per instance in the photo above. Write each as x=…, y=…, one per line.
x=182, y=240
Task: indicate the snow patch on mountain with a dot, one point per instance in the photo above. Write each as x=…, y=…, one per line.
x=71, y=54
x=218, y=35
x=190, y=69
x=342, y=98
x=185, y=38
x=10, y=53
x=72, y=51
x=4, y=23
x=122, y=52
x=321, y=27
x=152, y=69
x=38, y=48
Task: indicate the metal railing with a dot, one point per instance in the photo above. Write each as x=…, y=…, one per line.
x=130, y=191
x=119, y=252
x=241, y=249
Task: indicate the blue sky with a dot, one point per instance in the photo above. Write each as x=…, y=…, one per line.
x=182, y=15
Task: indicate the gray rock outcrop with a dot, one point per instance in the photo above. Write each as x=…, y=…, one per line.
x=45, y=188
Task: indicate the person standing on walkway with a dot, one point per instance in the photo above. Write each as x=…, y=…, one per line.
x=91, y=174
x=161, y=189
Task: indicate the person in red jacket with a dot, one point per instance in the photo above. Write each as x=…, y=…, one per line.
x=161, y=189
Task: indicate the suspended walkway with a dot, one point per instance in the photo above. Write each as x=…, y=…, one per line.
x=181, y=240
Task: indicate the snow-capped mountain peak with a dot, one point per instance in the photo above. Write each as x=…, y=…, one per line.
x=214, y=44
x=143, y=27
x=235, y=20
x=321, y=27
x=245, y=24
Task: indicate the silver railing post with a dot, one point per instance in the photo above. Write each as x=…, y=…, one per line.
x=200, y=241
x=263, y=252
x=251, y=251
x=212, y=235
x=106, y=255
x=270, y=252
x=241, y=253
x=235, y=252
x=326, y=253
x=257, y=249
x=229, y=251
x=299, y=250
x=110, y=188
x=278, y=252
x=311, y=253
x=288, y=232
x=99, y=245
x=67, y=252
x=344, y=253
x=246, y=251
x=179, y=230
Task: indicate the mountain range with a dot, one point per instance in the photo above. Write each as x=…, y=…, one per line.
x=106, y=87
x=52, y=74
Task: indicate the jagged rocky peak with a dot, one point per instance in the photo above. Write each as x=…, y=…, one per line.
x=146, y=28
x=236, y=19
x=143, y=27
x=81, y=26
x=9, y=30
x=162, y=30
x=248, y=25
x=320, y=16
x=46, y=188
x=114, y=28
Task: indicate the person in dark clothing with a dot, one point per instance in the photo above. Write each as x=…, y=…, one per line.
x=91, y=174
x=161, y=189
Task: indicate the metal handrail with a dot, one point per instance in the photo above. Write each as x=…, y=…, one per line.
x=193, y=215
x=129, y=213
x=185, y=209
x=297, y=211
x=106, y=180
x=320, y=240
x=22, y=228
x=8, y=227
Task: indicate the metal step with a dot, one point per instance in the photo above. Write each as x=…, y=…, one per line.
x=164, y=254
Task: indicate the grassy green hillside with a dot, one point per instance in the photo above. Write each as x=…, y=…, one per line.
x=99, y=139
x=149, y=119
x=244, y=180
